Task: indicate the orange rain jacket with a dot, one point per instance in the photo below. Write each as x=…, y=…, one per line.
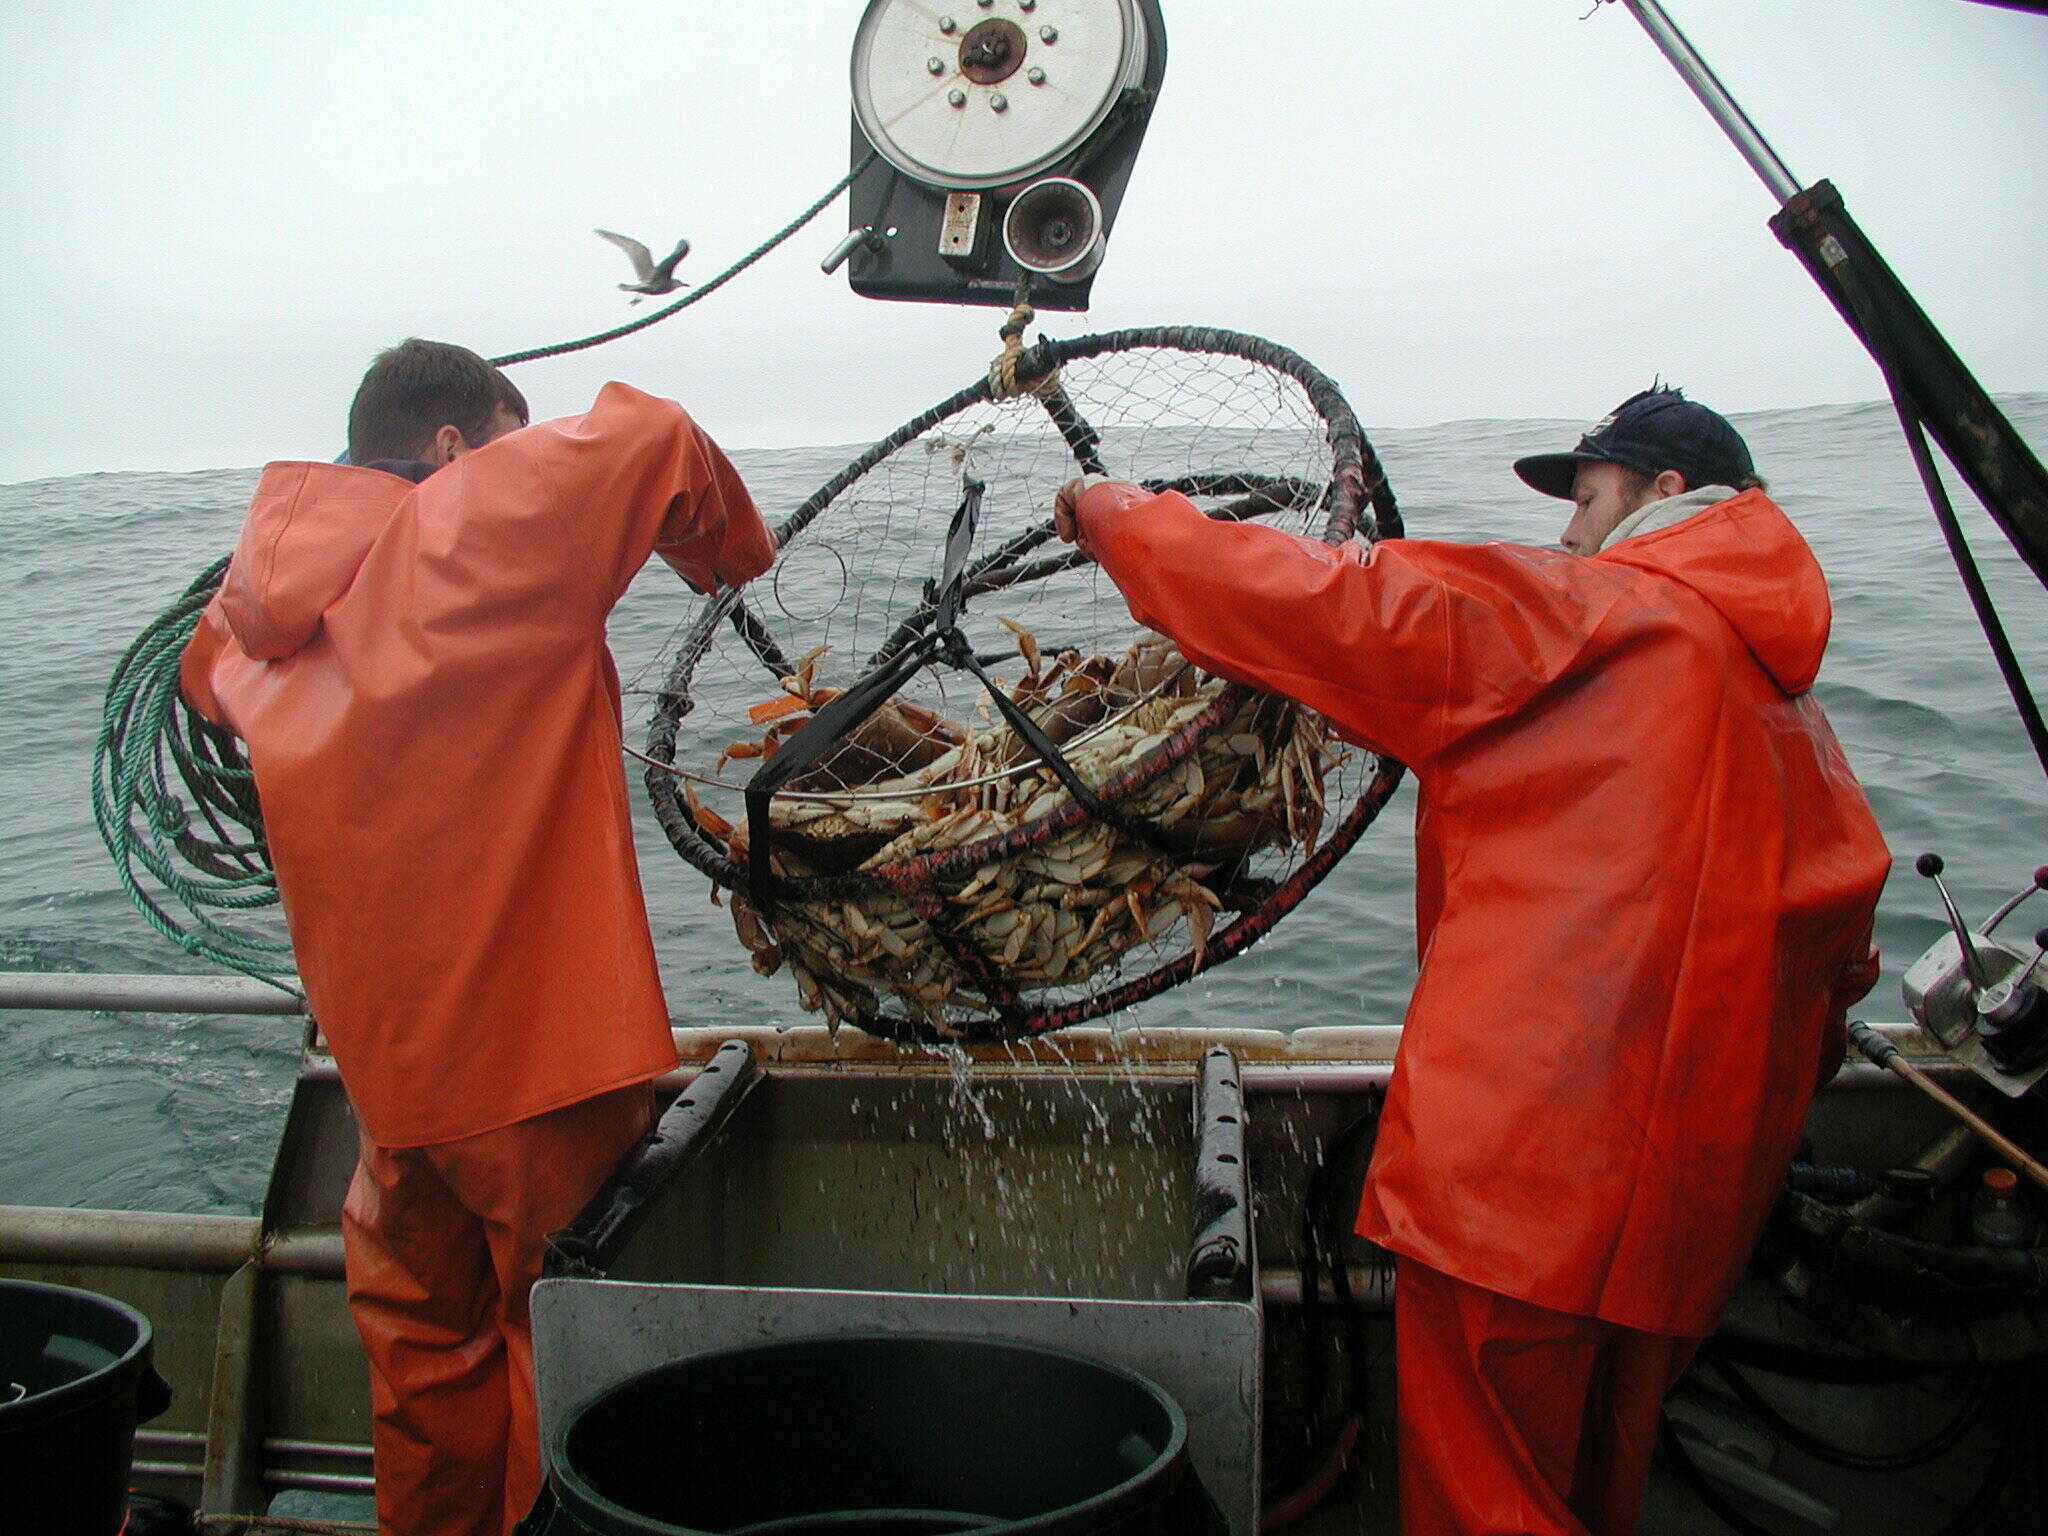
x=420, y=674
x=1645, y=875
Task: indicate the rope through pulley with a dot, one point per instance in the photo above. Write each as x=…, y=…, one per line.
x=1003, y=382
x=702, y=290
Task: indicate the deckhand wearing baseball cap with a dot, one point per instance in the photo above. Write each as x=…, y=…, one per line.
x=1554, y=1286
x=1653, y=446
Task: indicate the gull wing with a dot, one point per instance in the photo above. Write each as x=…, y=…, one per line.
x=668, y=263
x=642, y=258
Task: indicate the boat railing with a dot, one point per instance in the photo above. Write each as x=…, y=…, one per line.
x=1335, y=1058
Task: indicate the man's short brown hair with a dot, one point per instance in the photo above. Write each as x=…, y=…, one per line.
x=418, y=387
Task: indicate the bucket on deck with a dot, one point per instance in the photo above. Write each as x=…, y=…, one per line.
x=75, y=1380
x=903, y=1435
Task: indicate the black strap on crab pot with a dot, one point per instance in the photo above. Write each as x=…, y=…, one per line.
x=955, y=651
x=942, y=643
x=824, y=731
x=845, y=713
x=1045, y=751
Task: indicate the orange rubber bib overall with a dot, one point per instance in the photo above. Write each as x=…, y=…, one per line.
x=421, y=676
x=1645, y=881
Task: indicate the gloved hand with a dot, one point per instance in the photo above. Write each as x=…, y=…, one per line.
x=1064, y=522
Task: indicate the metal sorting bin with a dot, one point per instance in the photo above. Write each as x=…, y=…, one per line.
x=731, y=1380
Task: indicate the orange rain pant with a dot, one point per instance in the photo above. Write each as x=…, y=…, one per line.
x=1519, y=1421
x=442, y=1243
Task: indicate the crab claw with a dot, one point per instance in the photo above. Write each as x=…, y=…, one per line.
x=740, y=749
x=1200, y=918
x=799, y=682
x=1027, y=646
x=708, y=821
x=774, y=709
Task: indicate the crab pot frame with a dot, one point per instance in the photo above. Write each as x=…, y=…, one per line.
x=1355, y=484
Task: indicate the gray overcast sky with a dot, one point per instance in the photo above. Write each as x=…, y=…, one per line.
x=217, y=210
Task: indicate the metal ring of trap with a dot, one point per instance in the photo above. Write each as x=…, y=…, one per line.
x=1356, y=483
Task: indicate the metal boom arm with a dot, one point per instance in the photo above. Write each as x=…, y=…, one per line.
x=1926, y=376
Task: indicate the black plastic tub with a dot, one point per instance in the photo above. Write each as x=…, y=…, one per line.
x=902, y=1435
x=75, y=1380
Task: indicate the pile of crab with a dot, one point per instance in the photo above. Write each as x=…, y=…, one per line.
x=1045, y=895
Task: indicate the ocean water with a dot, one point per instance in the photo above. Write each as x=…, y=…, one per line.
x=145, y=1111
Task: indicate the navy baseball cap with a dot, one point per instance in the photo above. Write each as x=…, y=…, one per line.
x=1656, y=430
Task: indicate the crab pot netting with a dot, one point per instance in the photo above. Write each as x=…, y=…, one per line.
x=929, y=877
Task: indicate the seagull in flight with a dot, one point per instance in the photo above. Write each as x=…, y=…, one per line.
x=650, y=278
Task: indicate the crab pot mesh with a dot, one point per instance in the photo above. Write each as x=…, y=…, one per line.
x=928, y=876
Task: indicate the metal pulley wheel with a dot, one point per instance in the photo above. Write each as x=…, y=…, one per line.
x=971, y=95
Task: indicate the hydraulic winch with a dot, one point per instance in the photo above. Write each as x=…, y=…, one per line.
x=993, y=140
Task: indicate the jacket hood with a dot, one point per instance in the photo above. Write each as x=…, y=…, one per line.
x=308, y=531
x=1744, y=556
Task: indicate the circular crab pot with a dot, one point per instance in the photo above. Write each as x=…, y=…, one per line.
x=75, y=1380
x=902, y=1435
x=987, y=805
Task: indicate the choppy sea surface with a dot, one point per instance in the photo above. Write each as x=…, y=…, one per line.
x=148, y=1111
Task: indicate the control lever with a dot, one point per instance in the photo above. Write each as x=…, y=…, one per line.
x=1929, y=866
x=2040, y=884
x=1982, y=998
x=866, y=236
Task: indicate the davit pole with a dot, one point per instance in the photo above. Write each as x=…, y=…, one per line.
x=1932, y=389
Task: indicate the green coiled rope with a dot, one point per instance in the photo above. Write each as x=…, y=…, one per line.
x=175, y=803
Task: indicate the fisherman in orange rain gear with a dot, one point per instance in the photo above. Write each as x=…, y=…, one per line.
x=413, y=648
x=1645, y=886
